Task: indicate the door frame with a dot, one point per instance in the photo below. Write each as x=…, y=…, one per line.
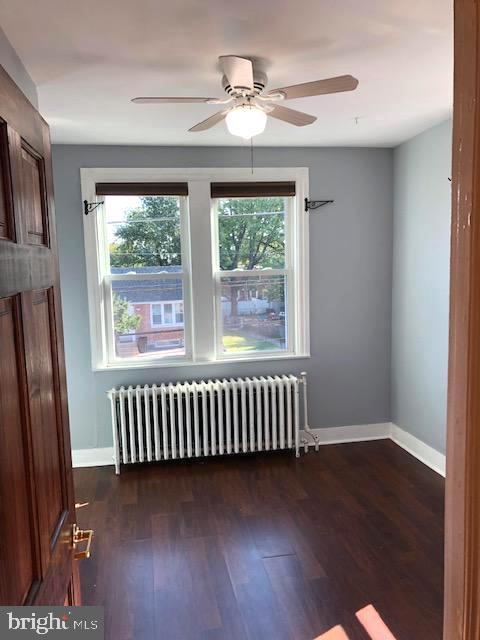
x=462, y=520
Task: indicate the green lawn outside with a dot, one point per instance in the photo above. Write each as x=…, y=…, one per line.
x=236, y=344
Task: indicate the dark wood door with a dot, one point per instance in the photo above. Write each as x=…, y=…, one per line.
x=36, y=489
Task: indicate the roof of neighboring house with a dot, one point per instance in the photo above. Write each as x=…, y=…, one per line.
x=141, y=291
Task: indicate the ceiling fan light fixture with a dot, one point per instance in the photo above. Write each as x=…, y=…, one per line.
x=246, y=121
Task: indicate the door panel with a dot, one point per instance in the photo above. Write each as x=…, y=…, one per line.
x=36, y=485
x=33, y=196
x=16, y=522
x=46, y=434
x=6, y=222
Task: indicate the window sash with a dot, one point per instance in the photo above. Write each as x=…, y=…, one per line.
x=245, y=273
x=161, y=275
x=107, y=291
x=287, y=272
x=104, y=248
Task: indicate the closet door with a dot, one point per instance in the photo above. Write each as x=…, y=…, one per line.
x=36, y=489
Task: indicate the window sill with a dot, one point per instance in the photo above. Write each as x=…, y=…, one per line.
x=130, y=366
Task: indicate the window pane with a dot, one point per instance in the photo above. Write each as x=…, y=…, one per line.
x=251, y=233
x=253, y=314
x=167, y=314
x=143, y=233
x=157, y=314
x=140, y=328
x=179, y=313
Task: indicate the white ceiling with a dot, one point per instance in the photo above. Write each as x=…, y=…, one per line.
x=89, y=57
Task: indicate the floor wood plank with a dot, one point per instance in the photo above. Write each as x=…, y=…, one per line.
x=266, y=546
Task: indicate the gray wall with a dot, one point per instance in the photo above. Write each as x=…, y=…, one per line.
x=14, y=67
x=421, y=255
x=351, y=276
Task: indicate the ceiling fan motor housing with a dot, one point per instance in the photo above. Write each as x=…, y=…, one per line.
x=259, y=83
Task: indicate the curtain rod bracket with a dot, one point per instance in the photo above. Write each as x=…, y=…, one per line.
x=88, y=207
x=310, y=205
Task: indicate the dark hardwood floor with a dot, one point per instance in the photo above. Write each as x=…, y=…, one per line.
x=266, y=546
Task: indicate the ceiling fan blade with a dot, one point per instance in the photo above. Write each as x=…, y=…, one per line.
x=239, y=71
x=210, y=122
x=292, y=116
x=168, y=100
x=318, y=87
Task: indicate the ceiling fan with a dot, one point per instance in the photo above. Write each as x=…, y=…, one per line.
x=247, y=107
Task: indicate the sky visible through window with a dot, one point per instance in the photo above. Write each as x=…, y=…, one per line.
x=116, y=211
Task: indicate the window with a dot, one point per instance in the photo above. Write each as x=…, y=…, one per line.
x=167, y=313
x=196, y=265
x=143, y=275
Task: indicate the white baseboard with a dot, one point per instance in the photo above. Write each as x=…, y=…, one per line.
x=92, y=457
x=330, y=435
x=364, y=432
x=333, y=435
x=423, y=452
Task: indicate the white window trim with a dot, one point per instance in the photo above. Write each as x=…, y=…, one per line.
x=199, y=284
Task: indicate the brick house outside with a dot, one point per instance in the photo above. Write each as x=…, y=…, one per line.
x=159, y=305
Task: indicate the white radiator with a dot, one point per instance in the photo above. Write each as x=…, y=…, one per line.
x=205, y=418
